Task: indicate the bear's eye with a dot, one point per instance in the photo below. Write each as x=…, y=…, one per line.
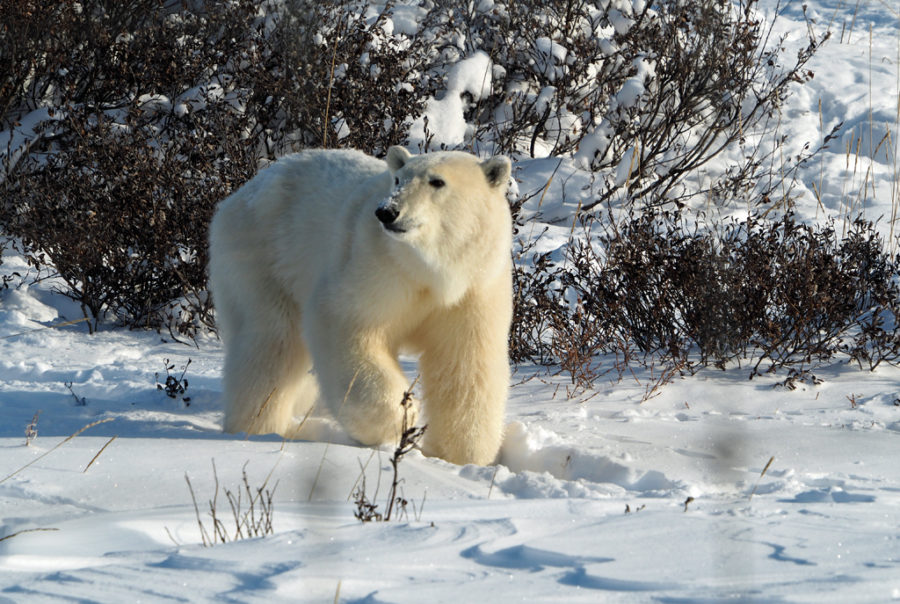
x=436, y=182
x=396, y=182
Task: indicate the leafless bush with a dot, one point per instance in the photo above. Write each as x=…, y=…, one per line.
x=254, y=520
x=410, y=436
x=776, y=292
x=536, y=309
x=128, y=121
x=644, y=94
x=715, y=75
x=130, y=130
x=366, y=509
x=340, y=78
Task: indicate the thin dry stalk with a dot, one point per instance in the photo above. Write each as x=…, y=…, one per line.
x=54, y=326
x=362, y=475
x=255, y=521
x=31, y=431
x=493, y=481
x=334, y=50
x=207, y=542
x=409, y=439
x=417, y=511
x=259, y=413
x=43, y=455
x=653, y=387
x=94, y=458
x=761, y=474
x=293, y=433
x=366, y=508
x=34, y=530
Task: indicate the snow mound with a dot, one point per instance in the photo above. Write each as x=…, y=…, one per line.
x=444, y=119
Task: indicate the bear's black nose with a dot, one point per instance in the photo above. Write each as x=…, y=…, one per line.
x=387, y=214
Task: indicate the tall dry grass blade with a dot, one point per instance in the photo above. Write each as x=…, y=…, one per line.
x=544, y=194
x=259, y=413
x=203, y=534
x=761, y=474
x=337, y=37
x=852, y=22
x=892, y=149
x=45, y=454
x=362, y=473
x=94, y=458
x=34, y=530
x=292, y=435
x=54, y=326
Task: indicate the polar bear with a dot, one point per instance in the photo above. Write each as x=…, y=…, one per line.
x=327, y=264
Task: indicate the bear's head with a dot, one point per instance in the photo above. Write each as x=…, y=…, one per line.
x=450, y=208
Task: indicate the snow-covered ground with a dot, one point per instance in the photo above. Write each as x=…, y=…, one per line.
x=709, y=488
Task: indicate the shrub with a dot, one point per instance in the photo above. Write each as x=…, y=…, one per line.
x=785, y=294
x=117, y=177
x=339, y=76
x=254, y=520
x=644, y=94
x=410, y=437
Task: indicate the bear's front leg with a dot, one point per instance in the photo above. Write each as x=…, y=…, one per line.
x=362, y=382
x=465, y=375
x=371, y=408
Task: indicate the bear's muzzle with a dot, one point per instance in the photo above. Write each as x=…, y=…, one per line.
x=387, y=215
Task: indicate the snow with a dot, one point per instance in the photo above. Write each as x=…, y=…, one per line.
x=633, y=87
x=472, y=75
x=552, y=54
x=405, y=19
x=550, y=521
x=856, y=83
x=707, y=488
x=628, y=165
x=620, y=22
x=444, y=119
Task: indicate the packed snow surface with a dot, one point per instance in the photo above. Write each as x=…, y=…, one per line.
x=711, y=487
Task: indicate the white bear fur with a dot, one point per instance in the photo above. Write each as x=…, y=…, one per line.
x=315, y=297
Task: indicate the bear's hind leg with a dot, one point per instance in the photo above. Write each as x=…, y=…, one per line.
x=267, y=379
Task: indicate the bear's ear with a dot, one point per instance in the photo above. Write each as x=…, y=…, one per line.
x=497, y=170
x=397, y=157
